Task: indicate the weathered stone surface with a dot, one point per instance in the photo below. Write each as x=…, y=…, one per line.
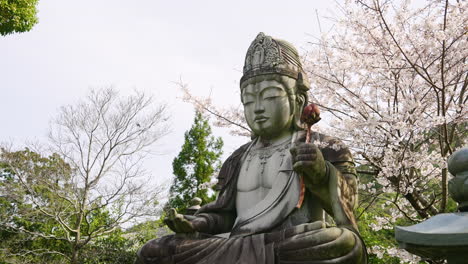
x=458, y=185
x=444, y=236
x=275, y=190
x=441, y=230
x=458, y=162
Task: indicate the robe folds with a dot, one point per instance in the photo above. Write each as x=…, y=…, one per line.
x=296, y=235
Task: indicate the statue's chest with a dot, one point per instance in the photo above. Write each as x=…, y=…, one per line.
x=261, y=166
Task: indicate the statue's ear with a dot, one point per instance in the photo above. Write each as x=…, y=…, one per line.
x=302, y=86
x=300, y=104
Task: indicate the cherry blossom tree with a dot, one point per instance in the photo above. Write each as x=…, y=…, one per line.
x=392, y=77
x=395, y=78
x=232, y=117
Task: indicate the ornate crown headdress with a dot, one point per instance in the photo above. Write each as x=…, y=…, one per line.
x=267, y=55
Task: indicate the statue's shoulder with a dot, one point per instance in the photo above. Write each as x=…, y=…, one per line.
x=333, y=149
x=231, y=166
x=237, y=154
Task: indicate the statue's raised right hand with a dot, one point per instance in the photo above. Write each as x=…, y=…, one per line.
x=184, y=224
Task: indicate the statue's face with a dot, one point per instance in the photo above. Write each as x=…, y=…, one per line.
x=267, y=109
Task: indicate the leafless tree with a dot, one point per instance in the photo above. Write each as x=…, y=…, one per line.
x=102, y=142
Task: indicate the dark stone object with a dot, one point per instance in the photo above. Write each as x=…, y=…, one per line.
x=444, y=236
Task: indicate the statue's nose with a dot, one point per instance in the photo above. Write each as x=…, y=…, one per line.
x=259, y=108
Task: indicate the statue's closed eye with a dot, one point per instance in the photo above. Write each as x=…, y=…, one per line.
x=246, y=102
x=271, y=97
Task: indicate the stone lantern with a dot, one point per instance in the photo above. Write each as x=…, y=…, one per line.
x=444, y=236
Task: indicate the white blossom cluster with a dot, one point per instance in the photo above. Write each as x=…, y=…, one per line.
x=208, y=185
x=394, y=77
x=232, y=117
x=404, y=256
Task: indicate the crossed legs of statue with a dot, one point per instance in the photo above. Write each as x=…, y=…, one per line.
x=307, y=243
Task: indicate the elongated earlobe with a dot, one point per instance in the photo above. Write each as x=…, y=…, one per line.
x=299, y=106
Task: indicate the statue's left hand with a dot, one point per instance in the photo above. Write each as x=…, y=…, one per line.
x=177, y=222
x=308, y=161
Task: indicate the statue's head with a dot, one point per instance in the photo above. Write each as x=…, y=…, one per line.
x=274, y=87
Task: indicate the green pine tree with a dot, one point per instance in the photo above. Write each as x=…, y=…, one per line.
x=195, y=164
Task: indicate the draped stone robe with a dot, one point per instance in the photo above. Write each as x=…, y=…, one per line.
x=280, y=232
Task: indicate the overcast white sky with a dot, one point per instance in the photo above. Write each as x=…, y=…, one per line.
x=142, y=44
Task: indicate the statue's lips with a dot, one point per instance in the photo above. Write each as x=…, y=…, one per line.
x=260, y=119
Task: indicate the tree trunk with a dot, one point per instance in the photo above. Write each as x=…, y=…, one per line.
x=414, y=202
x=443, y=203
x=74, y=258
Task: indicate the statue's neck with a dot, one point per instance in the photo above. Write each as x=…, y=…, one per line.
x=271, y=141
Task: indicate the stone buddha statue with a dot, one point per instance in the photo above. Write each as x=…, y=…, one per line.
x=280, y=200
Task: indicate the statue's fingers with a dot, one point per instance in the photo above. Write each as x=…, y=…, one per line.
x=307, y=148
x=170, y=224
x=183, y=225
x=181, y=222
x=299, y=166
x=316, y=225
x=306, y=157
x=168, y=219
x=172, y=213
x=187, y=227
x=293, y=151
x=177, y=226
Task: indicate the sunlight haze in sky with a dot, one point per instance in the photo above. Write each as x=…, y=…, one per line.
x=145, y=45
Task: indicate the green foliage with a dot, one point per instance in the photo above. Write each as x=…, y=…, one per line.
x=29, y=235
x=143, y=232
x=114, y=248
x=195, y=164
x=377, y=207
x=22, y=226
x=17, y=16
x=62, y=205
x=373, y=208
x=383, y=238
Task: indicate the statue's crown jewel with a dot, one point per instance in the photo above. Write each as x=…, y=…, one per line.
x=267, y=55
